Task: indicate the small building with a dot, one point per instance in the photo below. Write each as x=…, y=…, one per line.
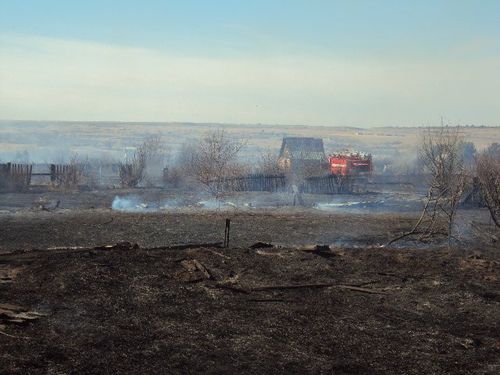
x=302, y=155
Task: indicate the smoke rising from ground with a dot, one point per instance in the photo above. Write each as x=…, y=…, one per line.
x=360, y=204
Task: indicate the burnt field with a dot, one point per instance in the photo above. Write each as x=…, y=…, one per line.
x=290, y=226
x=156, y=217
x=349, y=308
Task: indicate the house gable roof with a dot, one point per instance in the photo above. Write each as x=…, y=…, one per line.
x=302, y=148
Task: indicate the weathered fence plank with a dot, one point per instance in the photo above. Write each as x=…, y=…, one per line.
x=258, y=182
x=16, y=176
x=13, y=175
x=329, y=184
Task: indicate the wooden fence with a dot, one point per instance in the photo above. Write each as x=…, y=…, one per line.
x=15, y=176
x=255, y=182
x=329, y=184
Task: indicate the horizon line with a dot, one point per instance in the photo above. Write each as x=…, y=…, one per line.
x=248, y=124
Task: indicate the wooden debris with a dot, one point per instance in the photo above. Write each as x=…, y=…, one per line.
x=7, y=275
x=290, y=286
x=297, y=286
x=360, y=289
x=193, y=271
x=231, y=288
x=316, y=286
x=321, y=250
x=218, y=254
x=226, y=232
x=270, y=253
x=2, y=327
x=55, y=248
x=307, y=248
x=193, y=265
x=261, y=245
x=188, y=246
x=124, y=245
x=13, y=314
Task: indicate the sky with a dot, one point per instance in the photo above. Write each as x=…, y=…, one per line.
x=313, y=62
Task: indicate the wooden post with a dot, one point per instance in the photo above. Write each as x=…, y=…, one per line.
x=226, y=233
x=52, y=172
x=29, y=171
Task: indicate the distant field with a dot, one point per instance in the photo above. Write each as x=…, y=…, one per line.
x=56, y=141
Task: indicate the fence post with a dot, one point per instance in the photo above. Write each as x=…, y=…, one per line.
x=29, y=170
x=52, y=172
x=226, y=233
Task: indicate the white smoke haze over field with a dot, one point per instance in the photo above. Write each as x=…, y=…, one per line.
x=134, y=203
x=362, y=203
x=129, y=204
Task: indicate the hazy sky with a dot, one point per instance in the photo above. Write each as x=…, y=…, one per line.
x=353, y=63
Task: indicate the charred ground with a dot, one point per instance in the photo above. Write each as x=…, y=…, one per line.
x=356, y=308
x=41, y=230
x=355, y=311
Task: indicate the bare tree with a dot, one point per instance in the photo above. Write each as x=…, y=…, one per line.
x=146, y=162
x=441, y=157
x=155, y=158
x=72, y=174
x=488, y=174
x=132, y=171
x=267, y=164
x=213, y=160
x=181, y=171
x=469, y=153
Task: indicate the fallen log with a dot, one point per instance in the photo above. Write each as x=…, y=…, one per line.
x=192, y=265
x=8, y=274
x=321, y=250
x=360, y=289
x=218, y=254
x=2, y=327
x=193, y=271
x=13, y=314
x=261, y=245
x=120, y=246
x=313, y=248
x=124, y=245
x=231, y=288
x=187, y=246
x=292, y=286
x=316, y=286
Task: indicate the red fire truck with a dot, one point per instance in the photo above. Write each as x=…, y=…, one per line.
x=351, y=164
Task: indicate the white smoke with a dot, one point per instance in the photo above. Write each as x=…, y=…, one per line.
x=128, y=204
x=134, y=203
